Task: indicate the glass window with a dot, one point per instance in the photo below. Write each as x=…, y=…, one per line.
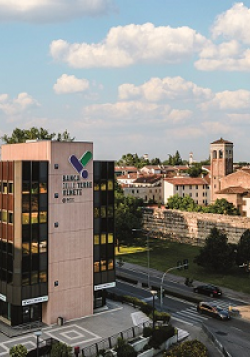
x=110, y=238
x=103, y=265
x=103, y=186
x=34, y=217
x=10, y=220
x=26, y=248
x=103, y=212
x=96, y=212
x=43, y=187
x=43, y=246
x=34, y=203
x=5, y=187
x=110, y=211
x=43, y=217
x=96, y=186
x=34, y=277
x=110, y=185
x=42, y=277
x=10, y=188
x=110, y=264
x=4, y=216
x=96, y=239
x=34, y=247
x=26, y=188
x=96, y=267
x=25, y=203
x=34, y=188
x=103, y=238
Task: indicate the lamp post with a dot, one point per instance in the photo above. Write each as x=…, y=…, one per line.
x=148, y=256
x=153, y=292
x=37, y=334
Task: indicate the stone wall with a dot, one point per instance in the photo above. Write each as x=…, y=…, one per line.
x=193, y=227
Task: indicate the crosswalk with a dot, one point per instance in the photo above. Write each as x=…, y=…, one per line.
x=191, y=316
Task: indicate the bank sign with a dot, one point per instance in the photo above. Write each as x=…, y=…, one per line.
x=72, y=185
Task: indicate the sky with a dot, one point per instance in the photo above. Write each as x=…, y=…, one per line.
x=132, y=76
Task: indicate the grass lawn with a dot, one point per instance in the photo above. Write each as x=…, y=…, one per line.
x=165, y=254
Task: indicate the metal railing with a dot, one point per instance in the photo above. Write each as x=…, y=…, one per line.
x=110, y=342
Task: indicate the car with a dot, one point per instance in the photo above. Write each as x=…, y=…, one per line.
x=213, y=310
x=209, y=290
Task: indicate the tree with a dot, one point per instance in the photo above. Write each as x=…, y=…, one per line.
x=216, y=255
x=18, y=351
x=243, y=249
x=195, y=170
x=221, y=206
x=185, y=203
x=21, y=135
x=60, y=349
x=128, y=215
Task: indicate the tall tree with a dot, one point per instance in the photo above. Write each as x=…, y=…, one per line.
x=243, y=249
x=216, y=255
x=21, y=135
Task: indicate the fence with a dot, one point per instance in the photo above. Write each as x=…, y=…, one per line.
x=110, y=342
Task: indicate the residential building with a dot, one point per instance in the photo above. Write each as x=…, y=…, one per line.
x=197, y=188
x=56, y=231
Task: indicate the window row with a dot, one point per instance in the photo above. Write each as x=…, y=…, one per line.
x=34, y=217
x=103, y=265
x=103, y=238
x=104, y=185
x=205, y=187
x=103, y=212
x=6, y=216
x=6, y=187
x=34, y=277
x=34, y=247
x=34, y=187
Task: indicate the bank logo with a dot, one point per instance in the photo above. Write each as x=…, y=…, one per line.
x=79, y=164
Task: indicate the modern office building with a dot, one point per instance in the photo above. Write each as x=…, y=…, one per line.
x=56, y=231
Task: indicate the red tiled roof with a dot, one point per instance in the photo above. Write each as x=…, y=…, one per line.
x=125, y=168
x=187, y=181
x=222, y=141
x=148, y=179
x=236, y=190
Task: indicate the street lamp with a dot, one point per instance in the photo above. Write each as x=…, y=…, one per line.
x=148, y=256
x=153, y=292
x=37, y=334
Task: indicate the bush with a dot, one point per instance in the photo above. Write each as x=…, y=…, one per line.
x=147, y=331
x=160, y=316
x=123, y=349
x=192, y=348
x=161, y=334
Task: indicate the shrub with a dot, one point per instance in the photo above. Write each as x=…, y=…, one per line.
x=123, y=349
x=18, y=351
x=192, y=348
x=160, y=316
x=161, y=334
x=147, y=331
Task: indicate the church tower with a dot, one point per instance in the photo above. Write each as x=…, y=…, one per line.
x=221, y=159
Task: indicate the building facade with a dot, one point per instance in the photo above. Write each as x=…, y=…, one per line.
x=57, y=257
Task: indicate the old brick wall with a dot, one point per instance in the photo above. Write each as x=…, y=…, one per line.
x=193, y=227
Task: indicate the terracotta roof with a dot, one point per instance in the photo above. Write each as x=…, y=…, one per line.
x=187, y=181
x=245, y=170
x=148, y=179
x=125, y=168
x=233, y=190
x=221, y=141
x=131, y=176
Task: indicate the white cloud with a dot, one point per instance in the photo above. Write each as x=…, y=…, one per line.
x=17, y=105
x=234, y=23
x=70, y=84
x=228, y=100
x=131, y=44
x=51, y=10
x=157, y=89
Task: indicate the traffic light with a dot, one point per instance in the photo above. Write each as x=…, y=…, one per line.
x=185, y=263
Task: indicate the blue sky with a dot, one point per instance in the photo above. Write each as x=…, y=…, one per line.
x=133, y=76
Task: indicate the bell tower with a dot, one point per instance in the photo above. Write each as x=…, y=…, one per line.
x=221, y=158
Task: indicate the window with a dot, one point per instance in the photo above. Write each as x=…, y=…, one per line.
x=190, y=195
x=196, y=195
x=110, y=185
x=196, y=187
x=103, y=238
x=190, y=187
x=110, y=238
x=4, y=216
x=177, y=187
x=96, y=239
x=183, y=187
x=110, y=264
x=5, y=187
x=96, y=267
x=10, y=188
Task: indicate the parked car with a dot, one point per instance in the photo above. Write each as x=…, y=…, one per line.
x=210, y=290
x=213, y=310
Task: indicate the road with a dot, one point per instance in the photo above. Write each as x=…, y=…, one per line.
x=234, y=335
